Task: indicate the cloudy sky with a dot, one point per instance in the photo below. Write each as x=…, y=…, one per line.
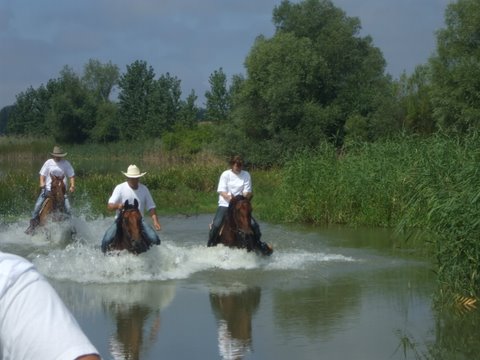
x=187, y=38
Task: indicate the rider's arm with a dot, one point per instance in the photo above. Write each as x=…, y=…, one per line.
x=72, y=183
x=156, y=223
x=115, y=206
x=43, y=180
x=227, y=196
x=248, y=195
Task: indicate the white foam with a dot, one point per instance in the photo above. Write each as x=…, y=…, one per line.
x=82, y=260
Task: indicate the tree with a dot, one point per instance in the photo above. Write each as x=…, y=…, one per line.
x=188, y=112
x=456, y=68
x=71, y=114
x=4, y=116
x=137, y=87
x=416, y=101
x=218, y=98
x=306, y=81
x=165, y=105
x=29, y=112
x=100, y=78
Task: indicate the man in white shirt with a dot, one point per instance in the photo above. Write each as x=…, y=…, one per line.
x=34, y=321
x=58, y=166
x=132, y=190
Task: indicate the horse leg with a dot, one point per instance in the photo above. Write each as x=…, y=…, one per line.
x=33, y=224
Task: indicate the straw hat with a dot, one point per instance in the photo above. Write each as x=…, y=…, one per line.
x=58, y=152
x=133, y=172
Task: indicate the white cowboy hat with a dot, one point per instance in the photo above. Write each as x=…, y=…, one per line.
x=58, y=152
x=133, y=172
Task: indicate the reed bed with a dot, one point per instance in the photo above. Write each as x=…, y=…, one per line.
x=430, y=185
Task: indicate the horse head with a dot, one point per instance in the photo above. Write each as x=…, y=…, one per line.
x=130, y=228
x=57, y=192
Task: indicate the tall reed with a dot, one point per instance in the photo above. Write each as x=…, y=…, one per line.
x=429, y=184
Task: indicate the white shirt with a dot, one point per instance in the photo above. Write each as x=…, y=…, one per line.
x=57, y=168
x=123, y=192
x=234, y=184
x=34, y=321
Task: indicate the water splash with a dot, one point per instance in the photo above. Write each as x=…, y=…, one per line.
x=182, y=254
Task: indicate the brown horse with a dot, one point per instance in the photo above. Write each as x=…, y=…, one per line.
x=53, y=207
x=129, y=235
x=237, y=230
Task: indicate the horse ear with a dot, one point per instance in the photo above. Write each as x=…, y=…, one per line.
x=135, y=203
x=125, y=205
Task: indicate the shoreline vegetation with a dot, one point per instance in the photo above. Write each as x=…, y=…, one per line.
x=412, y=184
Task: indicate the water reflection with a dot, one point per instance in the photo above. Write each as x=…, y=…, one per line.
x=136, y=312
x=134, y=309
x=129, y=339
x=319, y=309
x=234, y=310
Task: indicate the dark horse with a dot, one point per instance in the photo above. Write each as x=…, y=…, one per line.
x=129, y=235
x=53, y=206
x=237, y=230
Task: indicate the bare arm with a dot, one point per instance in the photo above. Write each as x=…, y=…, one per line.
x=43, y=180
x=225, y=195
x=72, y=184
x=156, y=223
x=114, y=206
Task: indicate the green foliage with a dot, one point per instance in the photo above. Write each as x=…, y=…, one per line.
x=100, y=79
x=135, y=98
x=29, y=113
x=186, y=141
x=72, y=110
x=218, y=98
x=456, y=70
x=445, y=200
x=429, y=185
x=309, y=78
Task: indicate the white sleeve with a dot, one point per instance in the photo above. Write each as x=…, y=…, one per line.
x=36, y=324
x=223, y=182
x=149, y=203
x=248, y=183
x=116, y=196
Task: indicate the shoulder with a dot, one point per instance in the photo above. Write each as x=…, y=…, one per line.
x=245, y=174
x=143, y=188
x=120, y=186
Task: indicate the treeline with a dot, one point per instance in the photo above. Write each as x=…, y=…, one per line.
x=315, y=79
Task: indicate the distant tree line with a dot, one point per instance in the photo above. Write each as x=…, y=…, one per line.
x=315, y=80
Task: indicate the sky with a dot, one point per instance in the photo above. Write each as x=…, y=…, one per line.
x=189, y=39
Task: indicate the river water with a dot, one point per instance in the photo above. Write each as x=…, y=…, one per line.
x=324, y=294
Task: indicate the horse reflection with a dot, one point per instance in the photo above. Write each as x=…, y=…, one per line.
x=130, y=341
x=237, y=230
x=234, y=311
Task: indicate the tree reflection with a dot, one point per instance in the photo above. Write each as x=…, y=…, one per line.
x=233, y=311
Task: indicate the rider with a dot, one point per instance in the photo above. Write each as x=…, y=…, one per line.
x=58, y=166
x=130, y=190
x=234, y=181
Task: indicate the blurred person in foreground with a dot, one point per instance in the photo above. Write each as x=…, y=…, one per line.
x=34, y=321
